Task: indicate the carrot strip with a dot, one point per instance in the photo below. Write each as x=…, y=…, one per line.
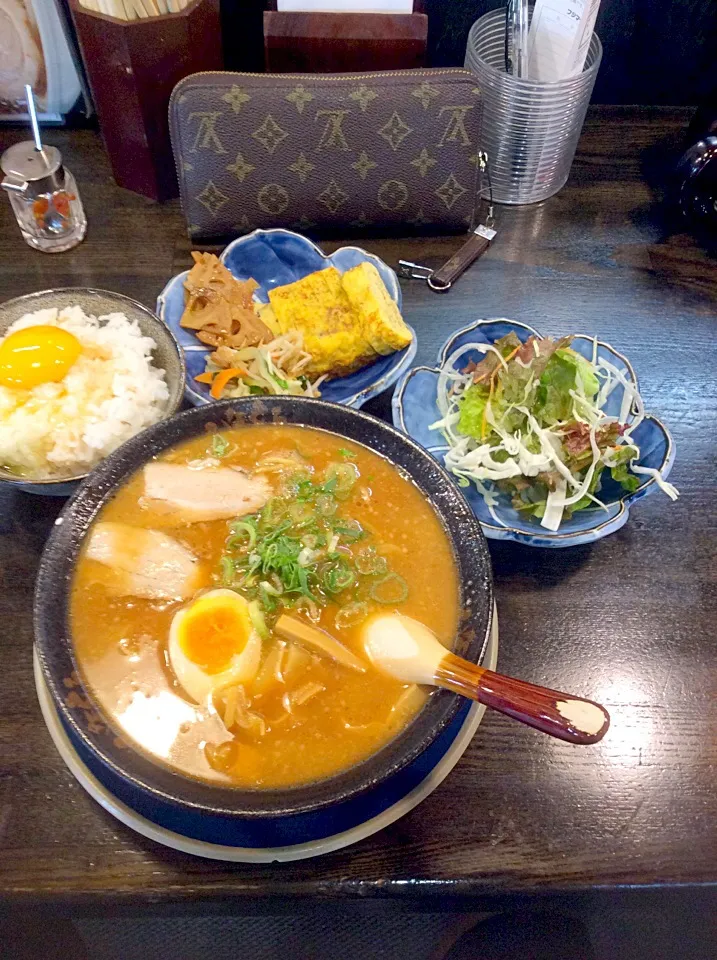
x=223, y=378
x=204, y=377
x=500, y=365
x=511, y=355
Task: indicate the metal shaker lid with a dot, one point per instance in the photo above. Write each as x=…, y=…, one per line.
x=25, y=162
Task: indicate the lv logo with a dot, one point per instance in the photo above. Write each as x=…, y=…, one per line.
x=207, y=137
x=332, y=137
x=455, y=131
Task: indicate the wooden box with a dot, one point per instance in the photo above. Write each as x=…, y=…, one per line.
x=133, y=67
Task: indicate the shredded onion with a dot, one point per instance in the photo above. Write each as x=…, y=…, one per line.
x=275, y=368
x=474, y=461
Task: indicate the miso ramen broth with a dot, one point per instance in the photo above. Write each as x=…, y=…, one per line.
x=183, y=577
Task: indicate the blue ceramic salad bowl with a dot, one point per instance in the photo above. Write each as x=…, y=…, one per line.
x=274, y=258
x=415, y=409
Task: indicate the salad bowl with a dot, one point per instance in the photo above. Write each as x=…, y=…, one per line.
x=415, y=410
x=273, y=258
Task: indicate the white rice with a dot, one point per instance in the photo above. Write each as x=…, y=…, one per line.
x=111, y=392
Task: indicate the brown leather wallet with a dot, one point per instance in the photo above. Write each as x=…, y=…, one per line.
x=327, y=152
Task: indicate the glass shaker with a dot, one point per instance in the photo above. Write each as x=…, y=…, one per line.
x=44, y=197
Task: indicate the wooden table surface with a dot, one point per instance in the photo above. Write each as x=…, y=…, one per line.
x=629, y=620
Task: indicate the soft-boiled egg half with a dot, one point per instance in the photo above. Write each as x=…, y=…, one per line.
x=37, y=354
x=212, y=644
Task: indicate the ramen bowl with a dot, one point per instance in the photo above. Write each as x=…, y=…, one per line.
x=232, y=815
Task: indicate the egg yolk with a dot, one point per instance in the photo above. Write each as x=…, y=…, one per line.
x=213, y=633
x=35, y=355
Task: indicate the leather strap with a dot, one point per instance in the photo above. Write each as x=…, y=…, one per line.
x=474, y=247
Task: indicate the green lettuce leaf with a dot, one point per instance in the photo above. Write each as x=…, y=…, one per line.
x=563, y=372
x=592, y=488
x=585, y=373
x=623, y=455
x=471, y=409
x=628, y=481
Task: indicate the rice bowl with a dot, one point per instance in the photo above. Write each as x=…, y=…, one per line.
x=126, y=375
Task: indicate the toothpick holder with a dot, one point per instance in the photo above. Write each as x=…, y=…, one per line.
x=132, y=67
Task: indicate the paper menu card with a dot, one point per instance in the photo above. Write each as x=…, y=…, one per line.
x=560, y=34
x=345, y=6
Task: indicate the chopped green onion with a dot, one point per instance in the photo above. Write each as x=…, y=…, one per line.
x=304, y=490
x=369, y=563
x=348, y=454
x=220, y=445
x=338, y=576
x=344, y=477
x=271, y=588
x=351, y=614
x=300, y=512
x=349, y=530
x=226, y=565
x=330, y=485
x=308, y=607
x=273, y=511
x=257, y=619
x=243, y=535
x=267, y=596
x=326, y=506
x=277, y=531
x=391, y=589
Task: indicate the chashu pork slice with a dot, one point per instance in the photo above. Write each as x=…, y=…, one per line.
x=143, y=563
x=212, y=493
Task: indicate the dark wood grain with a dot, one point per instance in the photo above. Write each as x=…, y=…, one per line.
x=343, y=42
x=629, y=621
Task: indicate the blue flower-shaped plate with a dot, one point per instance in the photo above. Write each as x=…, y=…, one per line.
x=415, y=409
x=274, y=258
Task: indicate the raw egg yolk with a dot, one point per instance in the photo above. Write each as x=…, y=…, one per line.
x=213, y=632
x=35, y=355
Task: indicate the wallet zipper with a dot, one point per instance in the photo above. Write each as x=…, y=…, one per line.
x=325, y=77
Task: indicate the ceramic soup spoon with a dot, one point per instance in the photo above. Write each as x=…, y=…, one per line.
x=407, y=650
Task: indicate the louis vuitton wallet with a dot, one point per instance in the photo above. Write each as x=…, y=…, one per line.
x=327, y=152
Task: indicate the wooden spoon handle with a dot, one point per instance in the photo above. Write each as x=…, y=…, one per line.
x=557, y=714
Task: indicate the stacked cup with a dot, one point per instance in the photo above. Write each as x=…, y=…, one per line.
x=530, y=128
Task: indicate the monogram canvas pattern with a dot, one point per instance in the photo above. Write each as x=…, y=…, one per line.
x=339, y=152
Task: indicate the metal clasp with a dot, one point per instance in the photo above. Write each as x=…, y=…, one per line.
x=14, y=183
x=415, y=271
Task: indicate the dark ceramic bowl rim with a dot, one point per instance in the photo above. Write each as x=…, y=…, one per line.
x=160, y=324
x=57, y=563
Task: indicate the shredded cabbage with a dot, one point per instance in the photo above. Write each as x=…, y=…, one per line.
x=534, y=426
x=276, y=368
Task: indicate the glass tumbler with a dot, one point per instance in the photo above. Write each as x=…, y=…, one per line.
x=530, y=128
x=44, y=197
